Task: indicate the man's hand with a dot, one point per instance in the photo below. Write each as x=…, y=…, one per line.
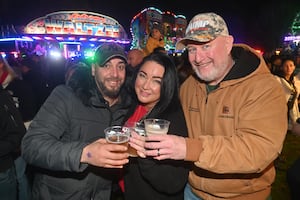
x=166, y=147
x=103, y=154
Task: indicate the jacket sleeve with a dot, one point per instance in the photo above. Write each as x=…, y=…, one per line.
x=255, y=140
x=167, y=176
x=42, y=145
x=11, y=125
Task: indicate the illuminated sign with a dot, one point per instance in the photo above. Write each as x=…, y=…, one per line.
x=76, y=23
x=292, y=38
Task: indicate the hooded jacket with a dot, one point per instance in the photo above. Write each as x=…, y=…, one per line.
x=72, y=117
x=236, y=131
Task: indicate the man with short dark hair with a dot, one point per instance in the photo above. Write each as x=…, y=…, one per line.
x=66, y=140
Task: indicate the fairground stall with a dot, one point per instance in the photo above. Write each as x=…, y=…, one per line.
x=15, y=45
x=52, y=43
x=173, y=26
x=70, y=33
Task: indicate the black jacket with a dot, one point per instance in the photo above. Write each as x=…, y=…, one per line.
x=24, y=98
x=148, y=179
x=69, y=120
x=12, y=130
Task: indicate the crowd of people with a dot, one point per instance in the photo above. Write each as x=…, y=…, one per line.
x=229, y=110
x=284, y=68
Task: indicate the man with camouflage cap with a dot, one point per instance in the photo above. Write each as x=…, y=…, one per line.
x=66, y=141
x=235, y=113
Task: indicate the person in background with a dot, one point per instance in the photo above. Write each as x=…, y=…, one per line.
x=156, y=96
x=160, y=50
x=155, y=39
x=66, y=141
x=32, y=74
x=291, y=86
x=275, y=64
x=297, y=62
x=21, y=91
x=134, y=58
x=293, y=172
x=71, y=66
x=12, y=130
x=235, y=112
x=184, y=68
x=25, y=101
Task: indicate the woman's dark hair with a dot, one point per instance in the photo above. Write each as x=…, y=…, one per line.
x=169, y=93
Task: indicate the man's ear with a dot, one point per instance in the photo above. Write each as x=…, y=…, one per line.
x=229, y=43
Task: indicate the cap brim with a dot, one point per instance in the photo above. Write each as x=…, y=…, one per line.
x=181, y=44
x=114, y=56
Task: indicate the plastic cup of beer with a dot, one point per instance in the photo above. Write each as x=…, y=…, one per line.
x=156, y=126
x=137, y=127
x=117, y=135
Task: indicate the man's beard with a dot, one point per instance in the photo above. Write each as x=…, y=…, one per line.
x=109, y=93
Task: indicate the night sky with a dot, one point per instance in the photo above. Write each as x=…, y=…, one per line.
x=261, y=25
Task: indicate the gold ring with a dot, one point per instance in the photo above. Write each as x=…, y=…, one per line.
x=158, y=154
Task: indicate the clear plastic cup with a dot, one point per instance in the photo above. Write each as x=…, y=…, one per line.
x=138, y=127
x=117, y=135
x=156, y=126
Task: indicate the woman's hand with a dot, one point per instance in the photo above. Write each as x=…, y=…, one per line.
x=138, y=142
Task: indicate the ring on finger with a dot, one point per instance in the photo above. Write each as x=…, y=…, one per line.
x=158, y=154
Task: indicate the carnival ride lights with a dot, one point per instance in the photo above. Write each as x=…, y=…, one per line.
x=16, y=39
x=295, y=28
x=13, y=45
x=55, y=54
x=71, y=38
x=173, y=27
x=86, y=29
x=77, y=26
x=14, y=53
x=296, y=25
x=292, y=38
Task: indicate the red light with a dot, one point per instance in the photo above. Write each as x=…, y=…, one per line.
x=259, y=51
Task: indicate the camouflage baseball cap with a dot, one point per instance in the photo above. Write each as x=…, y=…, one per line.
x=107, y=51
x=203, y=27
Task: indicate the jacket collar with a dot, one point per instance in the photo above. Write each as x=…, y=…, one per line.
x=97, y=99
x=246, y=62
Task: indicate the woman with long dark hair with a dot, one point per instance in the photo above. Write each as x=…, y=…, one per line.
x=156, y=94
